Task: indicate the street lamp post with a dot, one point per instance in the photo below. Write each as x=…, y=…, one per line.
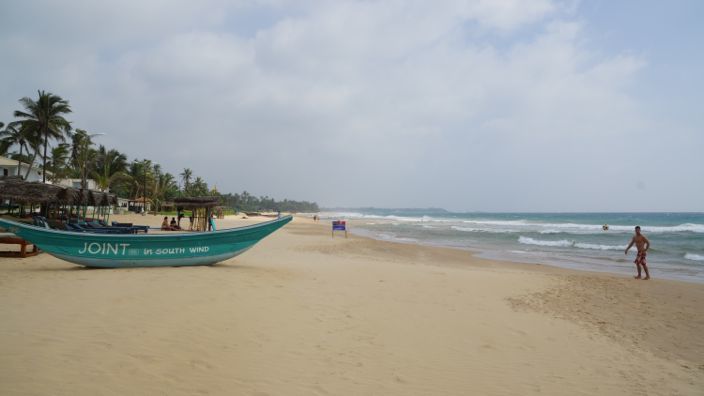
x=86, y=145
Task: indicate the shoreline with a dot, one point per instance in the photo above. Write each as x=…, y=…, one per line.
x=497, y=254
x=303, y=313
x=485, y=255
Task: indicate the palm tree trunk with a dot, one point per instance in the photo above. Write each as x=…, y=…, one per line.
x=19, y=162
x=31, y=164
x=46, y=143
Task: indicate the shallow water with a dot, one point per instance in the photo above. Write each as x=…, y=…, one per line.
x=572, y=240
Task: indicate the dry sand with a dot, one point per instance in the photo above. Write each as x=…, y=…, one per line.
x=304, y=314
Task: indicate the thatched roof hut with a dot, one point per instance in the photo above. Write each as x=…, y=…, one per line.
x=202, y=208
x=21, y=191
x=196, y=202
x=108, y=199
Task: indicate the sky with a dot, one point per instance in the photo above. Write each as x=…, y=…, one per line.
x=479, y=105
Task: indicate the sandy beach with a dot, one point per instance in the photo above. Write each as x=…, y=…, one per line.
x=306, y=314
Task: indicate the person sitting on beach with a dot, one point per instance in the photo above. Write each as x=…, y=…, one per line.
x=174, y=225
x=642, y=244
x=165, y=225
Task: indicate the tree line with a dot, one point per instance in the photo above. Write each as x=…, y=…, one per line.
x=250, y=203
x=41, y=137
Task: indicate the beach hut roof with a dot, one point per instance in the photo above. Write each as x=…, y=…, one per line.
x=18, y=190
x=196, y=202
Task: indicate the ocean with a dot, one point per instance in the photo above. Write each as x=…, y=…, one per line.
x=570, y=240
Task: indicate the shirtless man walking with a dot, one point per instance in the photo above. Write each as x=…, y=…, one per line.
x=642, y=244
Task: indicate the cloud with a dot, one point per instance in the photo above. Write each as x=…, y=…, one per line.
x=492, y=105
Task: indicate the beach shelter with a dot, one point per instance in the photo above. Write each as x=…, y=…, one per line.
x=202, y=208
x=51, y=197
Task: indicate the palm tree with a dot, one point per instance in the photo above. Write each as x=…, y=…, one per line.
x=3, y=146
x=83, y=154
x=168, y=187
x=165, y=187
x=110, y=167
x=142, y=177
x=186, y=177
x=59, y=162
x=12, y=136
x=44, y=117
x=35, y=143
x=112, y=159
x=199, y=187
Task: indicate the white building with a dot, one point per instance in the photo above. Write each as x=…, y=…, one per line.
x=8, y=167
x=76, y=183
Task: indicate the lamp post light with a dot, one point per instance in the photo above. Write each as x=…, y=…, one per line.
x=85, y=146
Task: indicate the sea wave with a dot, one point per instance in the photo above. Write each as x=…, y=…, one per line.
x=571, y=228
x=695, y=257
x=357, y=216
x=518, y=225
x=531, y=241
x=598, y=228
x=395, y=238
x=574, y=228
x=479, y=229
x=598, y=247
x=498, y=222
x=567, y=243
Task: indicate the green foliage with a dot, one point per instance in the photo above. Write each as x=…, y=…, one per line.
x=19, y=135
x=247, y=202
x=58, y=164
x=186, y=176
x=44, y=119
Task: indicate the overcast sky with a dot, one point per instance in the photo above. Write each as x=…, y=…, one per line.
x=489, y=105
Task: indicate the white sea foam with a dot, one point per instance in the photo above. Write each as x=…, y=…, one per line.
x=567, y=243
x=357, y=216
x=531, y=241
x=598, y=247
x=498, y=222
x=695, y=257
x=574, y=228
x=687, y=227
x=519, y=225
x=393, y=237
x=480, y=229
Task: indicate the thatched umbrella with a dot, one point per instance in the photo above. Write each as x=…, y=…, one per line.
x=29, y=192
x=201, y=207
x=68, y=195
x=104, y=200
x=196, y=202
x=23, y=192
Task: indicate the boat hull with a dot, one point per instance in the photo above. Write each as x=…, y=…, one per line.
x=155, y=250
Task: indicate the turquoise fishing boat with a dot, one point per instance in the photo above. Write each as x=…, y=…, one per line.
x=146, y=250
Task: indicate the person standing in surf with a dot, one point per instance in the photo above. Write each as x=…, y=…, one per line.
x=642, y=244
